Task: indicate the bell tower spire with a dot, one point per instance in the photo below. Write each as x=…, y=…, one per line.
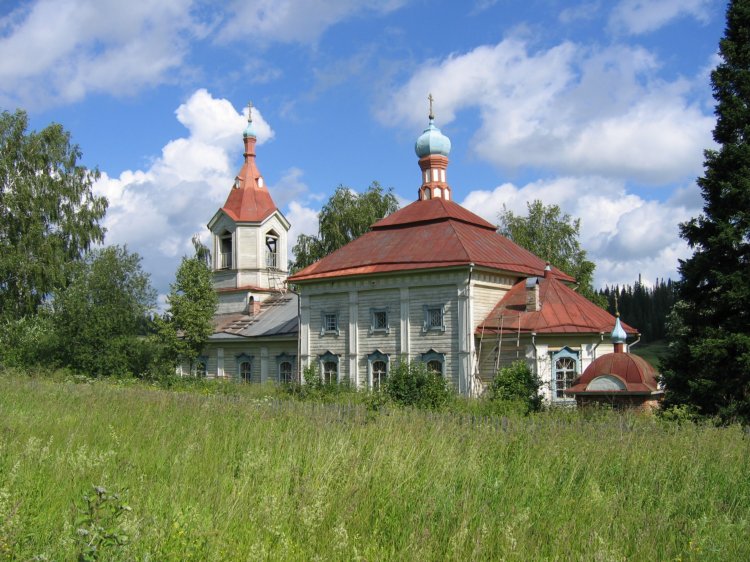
x=432, y=148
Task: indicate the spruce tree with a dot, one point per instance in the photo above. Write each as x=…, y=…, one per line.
x=708, y=365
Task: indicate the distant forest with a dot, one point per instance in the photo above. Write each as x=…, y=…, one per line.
x=644, y=308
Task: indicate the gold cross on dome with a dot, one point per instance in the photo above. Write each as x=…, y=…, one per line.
x=617, y=308
x=249, y=112
x=431, y=99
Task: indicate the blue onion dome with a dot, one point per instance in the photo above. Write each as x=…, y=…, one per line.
x=618, y=335
x=432, y=141
x=250, y=130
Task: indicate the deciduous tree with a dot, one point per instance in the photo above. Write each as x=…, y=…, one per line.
x=553, y=236
x=187, y=324
x=49, y=215
x=101, y=317
x=347, y=215
x=708, y=364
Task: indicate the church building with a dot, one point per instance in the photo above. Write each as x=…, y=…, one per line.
x=432, y=282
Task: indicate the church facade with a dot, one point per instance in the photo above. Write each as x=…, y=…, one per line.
x=432, y=282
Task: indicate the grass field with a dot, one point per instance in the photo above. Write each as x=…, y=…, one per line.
x=235, y=476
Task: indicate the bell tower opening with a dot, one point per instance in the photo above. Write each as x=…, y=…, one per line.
x=225, y=250
x=272, y=249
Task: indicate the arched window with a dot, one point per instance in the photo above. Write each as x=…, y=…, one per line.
x=244, y=367
x=566, y=368
x=285, y=364
x=435, y=361
x=329, y=368
x=379, y=374
x=330, y=372
x=246, y=371
x=272, y=249
x=377, y=369
x=285, y=372
x=225, y=251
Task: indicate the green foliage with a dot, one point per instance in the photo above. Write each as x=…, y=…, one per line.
x=29, y=340
x=49, y=215
x=347, y=215
x=99, y=533
x=236, y=477
x=187, y=324
x=645, y=308
x=517, y=383
x=708, y=364
x=413, y=384
x=553, y=236
x=101, y=318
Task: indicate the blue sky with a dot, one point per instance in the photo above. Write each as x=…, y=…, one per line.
x=601, y=106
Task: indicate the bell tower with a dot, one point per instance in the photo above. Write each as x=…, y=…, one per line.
x=249, y=237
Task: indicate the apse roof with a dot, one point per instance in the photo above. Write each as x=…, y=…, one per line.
x=635, y=373
x=562, y=310
x=427, y=234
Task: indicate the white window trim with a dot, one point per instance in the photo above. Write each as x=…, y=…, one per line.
x=563, y=353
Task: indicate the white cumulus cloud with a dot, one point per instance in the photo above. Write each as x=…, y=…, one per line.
x=569, y=109
x=624, y=234
x=58, y=51
x=156, y=211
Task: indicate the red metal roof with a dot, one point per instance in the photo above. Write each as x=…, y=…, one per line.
x=635, y=372
x=248, y=202
x=427, y=234
x=562, y=311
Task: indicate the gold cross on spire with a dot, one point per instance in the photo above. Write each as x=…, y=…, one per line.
x=431, y=99
x=249, y=112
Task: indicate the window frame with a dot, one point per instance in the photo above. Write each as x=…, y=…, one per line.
x=373, y=328
x=433, y=355
x=241, y=358
x=329, y=357
x=555, y=356
x=372, y=358
x=427, y=325
x=323, y=328
x=286, y=358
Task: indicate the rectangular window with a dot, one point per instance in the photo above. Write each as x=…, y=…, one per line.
x=329, y=323
x=434, y=318
x=379, y=320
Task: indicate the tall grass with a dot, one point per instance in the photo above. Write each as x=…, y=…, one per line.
x=240, y=477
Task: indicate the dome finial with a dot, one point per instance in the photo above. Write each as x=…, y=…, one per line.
x=431, y=99
x=250, y=129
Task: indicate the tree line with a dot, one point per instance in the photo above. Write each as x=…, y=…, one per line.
x=645, y=308
x=64, y=301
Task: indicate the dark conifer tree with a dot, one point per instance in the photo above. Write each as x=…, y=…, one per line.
x=708, y=365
